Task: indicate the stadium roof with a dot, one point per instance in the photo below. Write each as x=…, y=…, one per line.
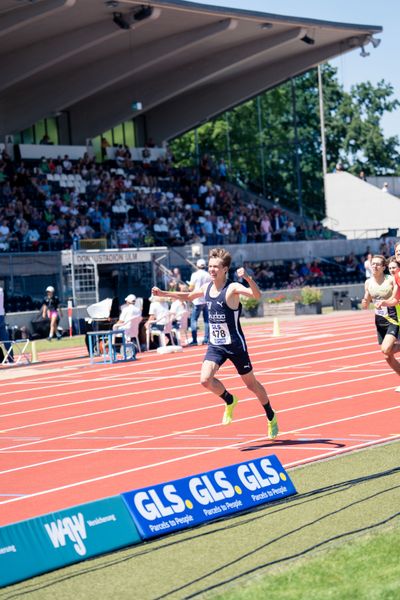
x=93, y=61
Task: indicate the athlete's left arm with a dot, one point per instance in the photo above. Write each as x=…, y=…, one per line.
x=253, y=291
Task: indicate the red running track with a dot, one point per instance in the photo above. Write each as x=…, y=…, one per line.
x=72, y=432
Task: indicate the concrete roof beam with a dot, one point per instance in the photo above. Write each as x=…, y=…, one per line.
x=26, y=16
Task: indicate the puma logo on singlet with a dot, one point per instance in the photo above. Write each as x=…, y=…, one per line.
x=220, y=304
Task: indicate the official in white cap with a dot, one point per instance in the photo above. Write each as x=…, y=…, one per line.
x=51, y=310
x=128, y=311
x=197, y=280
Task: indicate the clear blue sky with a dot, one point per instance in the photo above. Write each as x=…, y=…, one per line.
x=383, y=62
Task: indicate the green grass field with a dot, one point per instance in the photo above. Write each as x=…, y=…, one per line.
x=343, y=573
x=338, y=539
x=65, y=342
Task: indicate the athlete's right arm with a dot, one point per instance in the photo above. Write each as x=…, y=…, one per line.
x=179, y=295
x=366, y=301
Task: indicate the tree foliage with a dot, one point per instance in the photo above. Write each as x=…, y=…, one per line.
x=258, y=139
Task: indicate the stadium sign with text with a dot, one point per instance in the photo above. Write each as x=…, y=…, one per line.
x=105, y=257
x=187, y=502
x=51, y=541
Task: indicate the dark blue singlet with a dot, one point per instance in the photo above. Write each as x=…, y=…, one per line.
x=226, y=339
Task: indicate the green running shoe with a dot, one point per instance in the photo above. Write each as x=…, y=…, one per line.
x=228, y=413
x=273, y=428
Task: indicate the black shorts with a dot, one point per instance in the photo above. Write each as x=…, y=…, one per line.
x=240, y=358
x=384, y=327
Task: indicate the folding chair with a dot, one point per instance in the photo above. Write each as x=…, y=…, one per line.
x=161, y=334
x=132, y=333
x=182, y=328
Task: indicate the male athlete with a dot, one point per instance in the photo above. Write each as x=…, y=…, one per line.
x=226, y=339
x=394, y=301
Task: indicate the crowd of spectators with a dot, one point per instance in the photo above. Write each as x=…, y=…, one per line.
x=340, y=270
x=54, y=204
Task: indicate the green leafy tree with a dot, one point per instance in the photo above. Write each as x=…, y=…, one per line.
x=258, y=142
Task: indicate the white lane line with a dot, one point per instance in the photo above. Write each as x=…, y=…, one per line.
x=165, y=388
x=349, y=325
x=194, y=455
x=179, y=398
x=159, y=369
x=98, y=450
x=364, y=435
x=282, y=446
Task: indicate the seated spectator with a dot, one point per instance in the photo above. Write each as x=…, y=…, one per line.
x=120, y=156
x=178, y=309
x=67, y=164
x=104, y=145
x=305, y=272
x=207, y=213
x=159, y=315
x=84, y=230
x=292, y=230
x=174, y=280
x=264, y=276
x=28, y=238
x=4, y=235
x=266, y=229
x=351, y=263
x=45, y=140
x=128, y=312
x=316, y=270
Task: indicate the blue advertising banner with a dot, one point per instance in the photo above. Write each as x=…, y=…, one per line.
x=44, y=543
x=186, y=502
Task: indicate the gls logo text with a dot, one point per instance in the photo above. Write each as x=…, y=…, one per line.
x=70, y=527
x=205, y=490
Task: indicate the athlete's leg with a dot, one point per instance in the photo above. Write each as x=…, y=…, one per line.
x=209, y=381
x=388, y=349
x=259, y=390
x=256, y=387
x=193, y=321
x=53, y=325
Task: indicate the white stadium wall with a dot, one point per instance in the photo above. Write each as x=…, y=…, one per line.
x=354, y=206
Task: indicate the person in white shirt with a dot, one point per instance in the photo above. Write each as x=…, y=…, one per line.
x=367, y=266
x=198, y=279
x=128, y=311
x=159, y=315
x=178, y=307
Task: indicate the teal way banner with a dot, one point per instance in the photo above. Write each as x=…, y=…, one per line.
x=182, y=503
x=51, y=541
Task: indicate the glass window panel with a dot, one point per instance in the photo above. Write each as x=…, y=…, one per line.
x=52, y=130
x=96, y=141
x=28, y=135
x=129, y=134
x=40, y=130
x=118, y=135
